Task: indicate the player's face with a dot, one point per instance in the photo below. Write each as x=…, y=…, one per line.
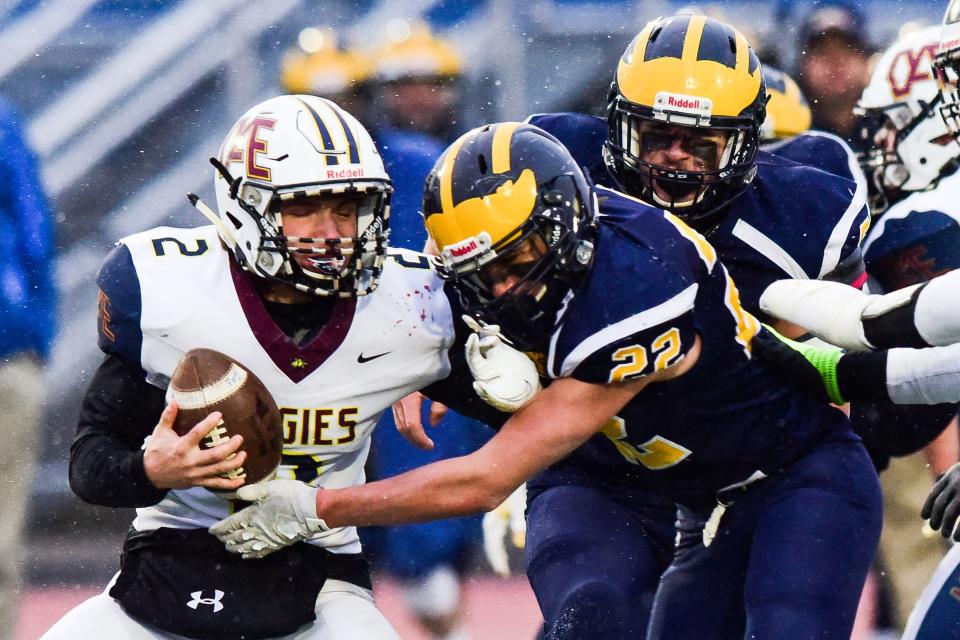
x=329, y=217
x=680, y=148
x=503, y=274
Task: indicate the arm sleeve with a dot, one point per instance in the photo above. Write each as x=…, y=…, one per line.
x=118, y=412
x=890, y=430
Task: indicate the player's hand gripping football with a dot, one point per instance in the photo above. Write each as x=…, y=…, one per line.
x=285, y=512
x=942, y=507
x=509, y=517
x=176, y=462
x=504, y=377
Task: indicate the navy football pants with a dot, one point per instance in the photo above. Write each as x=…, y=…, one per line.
x=789, y=559
x=593, y=559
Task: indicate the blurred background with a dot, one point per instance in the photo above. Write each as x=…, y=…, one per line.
x=123, y=101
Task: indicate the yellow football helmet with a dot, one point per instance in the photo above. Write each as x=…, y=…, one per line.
x=686, y=72
x=788, y=113
x=500, y=191
x=418, y=55
x=327, y=71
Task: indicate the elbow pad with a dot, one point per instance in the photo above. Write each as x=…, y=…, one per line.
x=829, y=310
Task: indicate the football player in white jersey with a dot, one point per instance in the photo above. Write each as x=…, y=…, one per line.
x=920, y=151
x=294, y=280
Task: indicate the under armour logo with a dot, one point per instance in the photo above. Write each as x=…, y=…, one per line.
x=215, y=600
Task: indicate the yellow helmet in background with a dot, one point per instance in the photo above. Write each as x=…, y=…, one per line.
x=788, y=113
x=413, y=51
x=695, y=72
x=320, y=67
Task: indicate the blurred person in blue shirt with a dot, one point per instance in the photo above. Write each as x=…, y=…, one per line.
x=27, y=326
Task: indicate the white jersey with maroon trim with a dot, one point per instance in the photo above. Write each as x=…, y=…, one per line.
x=177, y=289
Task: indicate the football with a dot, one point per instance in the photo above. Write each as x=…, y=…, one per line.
x=206, y=380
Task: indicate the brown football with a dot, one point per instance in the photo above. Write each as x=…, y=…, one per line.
x=206, y=380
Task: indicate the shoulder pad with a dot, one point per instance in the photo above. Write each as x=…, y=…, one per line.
x=119, y=306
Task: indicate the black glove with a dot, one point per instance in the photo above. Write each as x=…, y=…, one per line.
x=797, y=364
x=943, y=504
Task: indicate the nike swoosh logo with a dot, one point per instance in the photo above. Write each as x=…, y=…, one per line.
x=361, y=358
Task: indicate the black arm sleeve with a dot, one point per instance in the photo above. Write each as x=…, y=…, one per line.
x=456, y=391
x=119, y=410
x=890, y=430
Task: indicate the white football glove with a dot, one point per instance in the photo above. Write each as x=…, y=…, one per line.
x=509, y=516
x=285, y=512
x=504, y=378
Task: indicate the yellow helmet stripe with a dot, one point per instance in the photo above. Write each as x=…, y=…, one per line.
x=743, y=54
x=501, y=146
x=691, y=44
x=445, y=175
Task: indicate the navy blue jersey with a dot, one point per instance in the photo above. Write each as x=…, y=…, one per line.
x=917, y=239
x=655, y=286
x=793, y=221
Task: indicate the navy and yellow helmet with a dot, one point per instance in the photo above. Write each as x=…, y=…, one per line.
x=498, y=189
x=788, y=113
x=689, y=71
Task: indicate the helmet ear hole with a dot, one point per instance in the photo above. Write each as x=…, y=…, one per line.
x=236, y=222
x=482, y=163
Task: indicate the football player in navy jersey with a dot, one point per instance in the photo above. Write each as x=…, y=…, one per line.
x=653, y=393
x=767, y=215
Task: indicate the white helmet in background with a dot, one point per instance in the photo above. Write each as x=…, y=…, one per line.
x=293, y=147
x=909, y=147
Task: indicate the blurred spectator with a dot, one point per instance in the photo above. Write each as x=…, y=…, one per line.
x=27, y=323
x=420, y=79
x=833, y=65
x=320, y=67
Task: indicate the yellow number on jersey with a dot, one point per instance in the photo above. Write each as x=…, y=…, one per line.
x=635, y=359
x=655, y=454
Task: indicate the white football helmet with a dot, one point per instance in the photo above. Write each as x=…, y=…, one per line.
x=292, y=147
x=909, y=148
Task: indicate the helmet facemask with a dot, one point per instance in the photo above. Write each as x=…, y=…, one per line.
x=693, y=195
x=946, y=69
x=545, y=255
x=907, y=150
x=344, y=266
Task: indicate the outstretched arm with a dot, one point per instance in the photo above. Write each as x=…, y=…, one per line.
x=557, y=421
x=912, y=317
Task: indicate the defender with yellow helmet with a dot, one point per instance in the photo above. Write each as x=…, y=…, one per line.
x=637, y=317
x=693, y=82
x=682, y=132
x=490, y=197
x=788, y=113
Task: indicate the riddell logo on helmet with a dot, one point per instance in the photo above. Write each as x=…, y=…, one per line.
x=666, y=104
x=683, y=103
x=459, y=252
x=346, y=172
x=468, y=249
